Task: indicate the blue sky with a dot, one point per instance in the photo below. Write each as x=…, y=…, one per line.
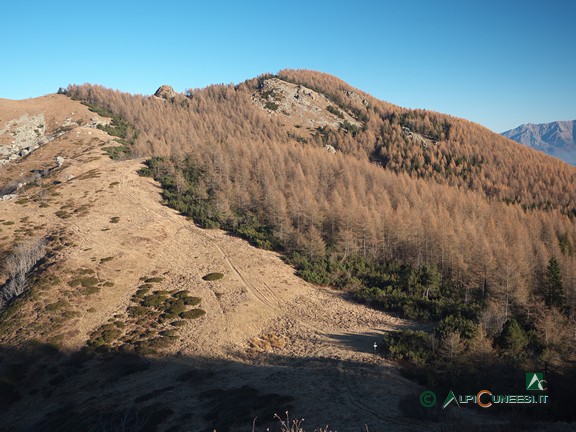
x=498, y=63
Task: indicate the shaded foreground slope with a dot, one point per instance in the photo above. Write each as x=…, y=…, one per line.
x=181, y=393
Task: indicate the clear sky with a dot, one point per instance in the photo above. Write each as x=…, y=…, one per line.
x=498, y=63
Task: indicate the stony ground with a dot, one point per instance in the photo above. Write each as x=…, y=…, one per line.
x=301, y=110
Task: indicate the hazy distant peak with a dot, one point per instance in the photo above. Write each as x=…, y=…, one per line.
x=556, y=139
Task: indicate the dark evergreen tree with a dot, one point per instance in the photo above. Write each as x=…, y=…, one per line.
x=553, y=287
x=513, y=338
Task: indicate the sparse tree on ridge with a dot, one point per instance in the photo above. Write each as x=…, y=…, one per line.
x=17, y=267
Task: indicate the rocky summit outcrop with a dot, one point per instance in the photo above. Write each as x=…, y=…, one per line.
x=556, y=139
x=300, y=106
x=165, y=92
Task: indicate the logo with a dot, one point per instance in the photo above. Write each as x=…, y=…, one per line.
x=427, y=399
x=451, y=397
x=487, y=404
x=486, y=399
x=535, y=381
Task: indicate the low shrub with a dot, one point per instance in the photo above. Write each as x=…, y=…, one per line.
x=117, y=152
x=140, y=293
x=90, y=290
x=411, y=345
x=153, y=280
x=192, y=314
x=153, y=300
x=60, y=304
x=103, y=337
x=271, y=106
x=84, y=281
x=192, y=301
x=137, y=311
x=170, y=333
x=162, y=292
x=174, y=309
x=159, y=342
x=333, y=110
x=213, y=276
x=178, y=323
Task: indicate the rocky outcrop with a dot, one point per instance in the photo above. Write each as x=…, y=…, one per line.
x=355, y=97
x=165, y=92
x=416, y=138
x=330, y=149
x=10, y=189
x=22, y=136
x=300, y=106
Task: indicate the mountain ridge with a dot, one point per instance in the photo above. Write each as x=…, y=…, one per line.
x=556, y=138
x=464, y=153
x=467, y=237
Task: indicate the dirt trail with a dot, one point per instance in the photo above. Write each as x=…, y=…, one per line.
x=260, y=295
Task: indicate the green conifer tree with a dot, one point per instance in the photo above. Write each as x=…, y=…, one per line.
x=553, y=287
x=513, y=338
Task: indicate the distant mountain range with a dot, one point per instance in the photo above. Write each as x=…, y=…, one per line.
x=557, y=139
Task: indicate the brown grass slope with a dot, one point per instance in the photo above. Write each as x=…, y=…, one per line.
x=268, y=341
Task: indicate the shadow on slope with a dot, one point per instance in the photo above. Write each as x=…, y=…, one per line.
x=45, y=389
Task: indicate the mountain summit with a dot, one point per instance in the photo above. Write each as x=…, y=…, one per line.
x=556, y=139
